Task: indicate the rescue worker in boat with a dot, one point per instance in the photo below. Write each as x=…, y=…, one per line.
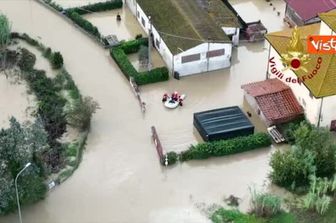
x=175, y=96
x=118, y=17
x=165, y=97
x=180, y=101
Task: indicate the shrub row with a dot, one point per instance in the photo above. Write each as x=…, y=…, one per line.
x=83, y=23
x=55, y=58
x=54, y=5
x=172, y=158
x=98, y=7
x=119, y=54
x=50, y=106
x=226, y=147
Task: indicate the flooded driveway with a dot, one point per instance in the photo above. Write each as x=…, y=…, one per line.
x=120, y=179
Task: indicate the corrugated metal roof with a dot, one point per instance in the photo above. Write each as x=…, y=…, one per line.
x=186, y=18
x=308, y=9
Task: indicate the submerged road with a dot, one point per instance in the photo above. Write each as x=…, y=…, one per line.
x=120, y=179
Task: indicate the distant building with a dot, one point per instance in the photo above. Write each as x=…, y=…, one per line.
x=273, y=101
x=304, y=12
x=317, y=92
x=191, y=36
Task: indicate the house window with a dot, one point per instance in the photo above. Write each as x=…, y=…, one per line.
x=157, y=44
x=215, y=53
x=143, y=22
x=138, y=14
x=190, y=58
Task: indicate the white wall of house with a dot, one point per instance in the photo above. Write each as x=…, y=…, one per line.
x=328, y=111
x=310, y=104
x=142, y=18
x=174, y=62
x=234, y=32
x=326, y=30
x=254, y=105
x=203, y=63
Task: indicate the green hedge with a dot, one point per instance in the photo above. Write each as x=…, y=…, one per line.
x=54, y=5
x=119, y=54
x=133, y=46
x=172, y=158
x=152, y=76
x=83, y=23
x=226, y=147
x=98, y=7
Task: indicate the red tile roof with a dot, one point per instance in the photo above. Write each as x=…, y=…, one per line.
x=308, y=9
x=275, y=99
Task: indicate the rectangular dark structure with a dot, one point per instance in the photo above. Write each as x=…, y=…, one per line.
x=222, y=123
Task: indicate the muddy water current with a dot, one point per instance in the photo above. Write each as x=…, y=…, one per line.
x=120, y=179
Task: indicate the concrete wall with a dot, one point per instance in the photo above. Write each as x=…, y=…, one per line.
x=328, y=113
x=234, y=32
x=310, y=104
x=204, y=64
x=254, y=105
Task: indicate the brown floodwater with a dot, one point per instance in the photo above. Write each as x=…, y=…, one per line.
x=120, y=179
x=75, y=3
x=107, y=24
x=14, y=100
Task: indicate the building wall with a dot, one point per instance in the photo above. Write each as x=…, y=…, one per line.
x=203, y=64
x=234, y=32
x=293, y=17
x=142, y=18
x=254, y=105
x=328, y=113
x=326, y=30
x=174, y=62
x=310, y=104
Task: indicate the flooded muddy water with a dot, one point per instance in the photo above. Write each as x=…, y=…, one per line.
x=107, y=24
x=76, y=3
x=156, y=61
x=120, y=179
x=14, y=100
x=252, y=11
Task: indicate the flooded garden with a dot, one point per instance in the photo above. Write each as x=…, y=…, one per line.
x=120, y=178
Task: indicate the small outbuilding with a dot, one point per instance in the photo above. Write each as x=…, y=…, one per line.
x=222, y=123
x=273, y=101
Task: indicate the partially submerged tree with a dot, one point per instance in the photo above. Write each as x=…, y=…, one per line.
x=20, y=144
x=81, y=112
x=5, y=32
x=57, y=60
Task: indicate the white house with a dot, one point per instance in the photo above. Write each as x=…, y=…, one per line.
x=315, y=89
x=192, y=42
